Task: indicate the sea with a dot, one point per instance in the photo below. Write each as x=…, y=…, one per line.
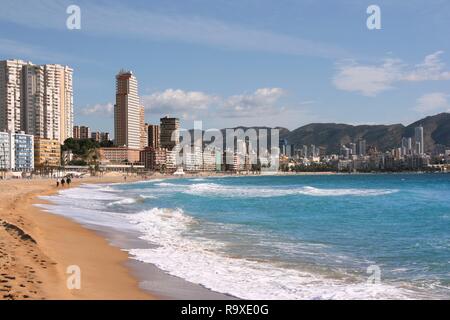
x=362, y=236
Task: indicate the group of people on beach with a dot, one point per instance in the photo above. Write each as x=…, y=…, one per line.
x=63, y=182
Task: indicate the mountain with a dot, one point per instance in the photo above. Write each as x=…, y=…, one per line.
x=384, y=137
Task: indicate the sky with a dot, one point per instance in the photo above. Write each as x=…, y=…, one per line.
x=243, y=62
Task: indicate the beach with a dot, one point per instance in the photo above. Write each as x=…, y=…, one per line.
x=36, y=248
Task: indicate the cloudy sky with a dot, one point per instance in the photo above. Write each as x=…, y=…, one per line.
x=247, y=62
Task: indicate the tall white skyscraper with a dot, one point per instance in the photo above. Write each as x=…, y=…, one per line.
x=37, y=99
x=127, y=111
x=418, y=138
x=11, y=85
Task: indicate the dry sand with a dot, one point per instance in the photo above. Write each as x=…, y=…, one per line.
x=37, y=247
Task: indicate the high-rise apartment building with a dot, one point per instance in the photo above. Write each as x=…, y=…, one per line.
x=11, y=84
x=36, y=99
x=170, y=132
x=362, y=148
x=85, y=132
x=418, y=138
x=76, y=132
x=127, y=111
x=153, y=136
x=144, y=128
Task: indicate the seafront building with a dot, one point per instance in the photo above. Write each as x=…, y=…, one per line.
x=36, y=99
x=16, y=151
x=127, y=111
x=119, y=155
x=11, y=90
x=47, y=153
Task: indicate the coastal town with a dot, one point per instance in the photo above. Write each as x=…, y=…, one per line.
x=38, y=137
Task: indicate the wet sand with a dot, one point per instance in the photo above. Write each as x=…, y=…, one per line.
x=36, y=248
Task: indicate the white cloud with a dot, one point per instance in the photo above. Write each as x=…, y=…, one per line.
x=369, y=80
x=107, y=19
x=195, y=104
x=432, y=102
x=100, y=109
x=431, y=69
x=177, y=101
x=259, y=103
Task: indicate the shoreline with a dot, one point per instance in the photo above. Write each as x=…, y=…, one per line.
x=37, y=247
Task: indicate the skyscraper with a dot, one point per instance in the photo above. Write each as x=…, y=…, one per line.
x=36, y=99
x=48, y=101
x=170, y=132
x=362, y=147
x=127, y=111
x=153, y=136
x=418, y=138
x=11, y=84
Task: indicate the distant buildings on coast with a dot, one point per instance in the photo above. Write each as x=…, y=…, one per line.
x=36, y=110
x=36, y=118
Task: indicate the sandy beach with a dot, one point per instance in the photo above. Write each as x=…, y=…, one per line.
x=36, y=248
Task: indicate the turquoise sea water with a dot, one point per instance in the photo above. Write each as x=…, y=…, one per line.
x=292, y=237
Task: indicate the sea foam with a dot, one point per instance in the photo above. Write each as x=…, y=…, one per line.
x=195, y=260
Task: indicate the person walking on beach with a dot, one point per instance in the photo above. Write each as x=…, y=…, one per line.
x=68, y=180
x=57, y=183
x=63, y=182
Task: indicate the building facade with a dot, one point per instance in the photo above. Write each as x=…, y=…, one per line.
x=47, y=153
x=36, y=99
x=11, y=84
x=127, y=111
x=85, y=132
x=144, y=129
x=16, y=151
x=48, y=101
x=153, y=136
x=154, y=159
x=119, y=155
x=169, y=132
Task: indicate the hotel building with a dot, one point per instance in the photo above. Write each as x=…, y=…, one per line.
x=119, y=155
x=154, y=159
x=47, y=152
x=127, y=111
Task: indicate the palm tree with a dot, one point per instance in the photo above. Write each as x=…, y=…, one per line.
x=91, y=157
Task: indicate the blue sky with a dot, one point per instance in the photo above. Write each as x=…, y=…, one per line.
x=247, y=62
